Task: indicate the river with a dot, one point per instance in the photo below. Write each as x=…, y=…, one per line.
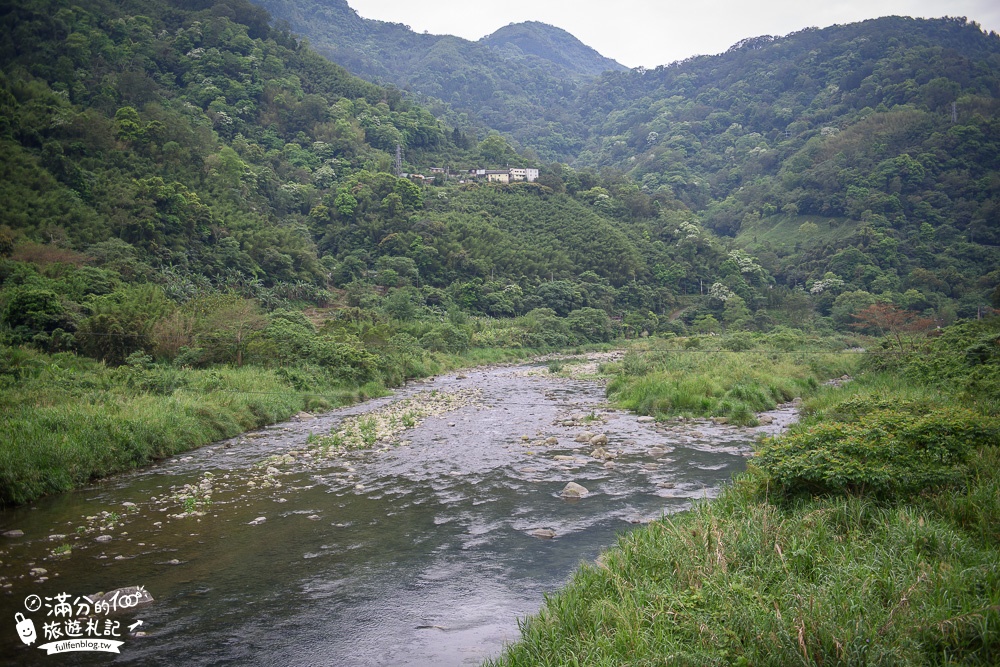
x=268, y=549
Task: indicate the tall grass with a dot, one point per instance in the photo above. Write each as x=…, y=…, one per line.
x=718, y=382
x=67, y=420
x=740, y=581
x=56, y=440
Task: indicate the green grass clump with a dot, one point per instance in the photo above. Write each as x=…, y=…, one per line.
x=717, y=382
x=885, y=453
x=54, y=439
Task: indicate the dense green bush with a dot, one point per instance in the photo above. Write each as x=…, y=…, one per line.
x=739, y=342
x=446, y=337
x=122, y=322
x=590, y=325
x=30, y=311
x=886, y=453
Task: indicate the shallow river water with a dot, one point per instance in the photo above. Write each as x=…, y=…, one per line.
x=425, y=550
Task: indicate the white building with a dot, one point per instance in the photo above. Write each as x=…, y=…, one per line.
x=529, y=174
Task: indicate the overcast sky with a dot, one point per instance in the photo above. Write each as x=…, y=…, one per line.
x=658, y=32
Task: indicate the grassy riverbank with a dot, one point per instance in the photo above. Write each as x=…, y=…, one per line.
x=68, y=419
x=868, y=535
x=731, y=377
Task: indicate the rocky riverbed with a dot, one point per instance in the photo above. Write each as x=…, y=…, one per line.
x=354, y=536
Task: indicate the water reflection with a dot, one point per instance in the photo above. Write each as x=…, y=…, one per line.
x=419, y=554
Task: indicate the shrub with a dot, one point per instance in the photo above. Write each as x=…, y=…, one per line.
x=346, y=360
x=739, y=342
x=590, y=325
x=446, y=337
x=887, y=453
x=123, y=322
x=30, y=311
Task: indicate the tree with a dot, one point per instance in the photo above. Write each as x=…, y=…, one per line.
x=227, y=324
x=495, y=150
x=6, y=243
x=403, y=304
x=123, y=322
x=31, y=311
x=705, y=324
x=735, y=313
x=590, y=325
x=562, y=296
x=888, y=321
x=847, y=304
x=128, y=125
x=808, y=228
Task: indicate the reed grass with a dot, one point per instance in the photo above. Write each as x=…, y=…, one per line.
x=67, y=420
x=700, y=382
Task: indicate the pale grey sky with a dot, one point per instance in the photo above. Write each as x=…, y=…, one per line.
x=658, y=32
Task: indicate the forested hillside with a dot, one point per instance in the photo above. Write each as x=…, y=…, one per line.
x=181, y=181
x=195, y=147
x=860, y=157
x=197, y=206
x=521, y=80
x=855, y=162
x=151, y=159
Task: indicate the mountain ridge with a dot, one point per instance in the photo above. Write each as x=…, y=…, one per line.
x=553, y=44
x=513, y=81
x=370, y=40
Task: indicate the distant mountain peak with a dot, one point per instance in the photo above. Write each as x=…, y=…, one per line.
x=534, y=38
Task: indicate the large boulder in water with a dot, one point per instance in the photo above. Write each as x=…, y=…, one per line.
x=574, y=490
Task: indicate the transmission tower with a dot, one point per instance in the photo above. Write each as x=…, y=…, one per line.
x=399, y=161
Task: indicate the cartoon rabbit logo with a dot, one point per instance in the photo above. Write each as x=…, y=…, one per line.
x=25, y=629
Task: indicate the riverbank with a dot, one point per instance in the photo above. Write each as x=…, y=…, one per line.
x=69, y=420
x=868, y=535
x=420, y=525
x=728, y=378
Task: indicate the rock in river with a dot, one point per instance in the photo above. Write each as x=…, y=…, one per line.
x=543, y=533
x=574, y=490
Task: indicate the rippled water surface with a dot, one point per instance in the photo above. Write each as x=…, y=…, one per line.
x=419, y=552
